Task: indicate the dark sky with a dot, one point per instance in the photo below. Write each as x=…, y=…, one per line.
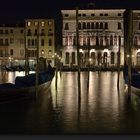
x=18, y=10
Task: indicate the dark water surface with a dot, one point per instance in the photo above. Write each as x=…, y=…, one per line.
x=102, y=108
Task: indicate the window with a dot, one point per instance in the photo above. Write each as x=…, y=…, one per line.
x=106, y=25
x=36, y=23
x=101, y=14
x=42, y=52
x=73, y=57
x=1, y=41
x=28, y=23
x=11, y=51
x=35, y=32
x=33, y=42
x=6, y=31
x=97, y=25
x=1, y=31
x=119, y=40
x=42, y=42
x=112, y=58
x=88, y=25
x=105, y=14
x=29, y=42
x=79, y=15
x=92, y=25
x=29, y=32
x=50, y=53
x=101, y=25
x=42, y=32
x=84, y=25
x=66, y=26
x=42, y=23
x=79, y=25
x=119, y=25
x=50, y=42
x=84, y=15
x=119, y=14
x=11, y=31
x=50, y=23
x=111, y=40
x=92, y=15
x=66, y=15
x=6, y=41
x=67, y=58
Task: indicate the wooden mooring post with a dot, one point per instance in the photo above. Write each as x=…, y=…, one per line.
x=128, y=38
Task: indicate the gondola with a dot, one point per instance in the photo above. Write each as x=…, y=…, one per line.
x=25, y=86
x=135, y=80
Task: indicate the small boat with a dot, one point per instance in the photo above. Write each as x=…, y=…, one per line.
x=25, y=86
x=135, y=80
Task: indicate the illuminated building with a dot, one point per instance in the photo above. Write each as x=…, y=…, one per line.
x=102, y=31
x=13, y=38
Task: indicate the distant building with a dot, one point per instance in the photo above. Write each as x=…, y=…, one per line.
x=101, y=30
x=46, y=38
x=13, y=38
x=11, y=44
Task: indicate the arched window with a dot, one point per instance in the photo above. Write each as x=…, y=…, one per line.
x=92, y=25
x=84, y=25
x=101, y=25
x=29, y=32
x=88, y=25
x=111, y=40
x=97, y=25
x=67, y=57
x=106, y=25
x=79, y=25
x=112, y=58
x=73, y=57
x=33, y=42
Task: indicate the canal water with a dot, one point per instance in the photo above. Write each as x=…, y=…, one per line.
x=102, y=109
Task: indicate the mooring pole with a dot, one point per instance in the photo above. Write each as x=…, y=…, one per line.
x=128, y=30
x=118, y=79
x=37, y=61
x=78, y=56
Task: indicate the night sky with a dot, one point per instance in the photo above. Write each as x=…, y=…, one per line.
x=18, y=10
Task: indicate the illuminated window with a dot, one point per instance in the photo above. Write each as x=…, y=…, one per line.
x=42, y=23
x=49, y=23
x=28, y=23
x=50, y=53
x=36, y=23
x=42, y=52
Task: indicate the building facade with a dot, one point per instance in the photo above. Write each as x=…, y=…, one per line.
x=14, y=39
x=101, y=31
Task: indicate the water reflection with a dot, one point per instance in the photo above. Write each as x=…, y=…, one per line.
x=102, y=108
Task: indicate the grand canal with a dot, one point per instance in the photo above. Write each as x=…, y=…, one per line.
x=102, y=109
